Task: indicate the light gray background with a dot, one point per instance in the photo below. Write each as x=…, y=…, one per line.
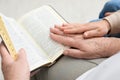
x=71, y=10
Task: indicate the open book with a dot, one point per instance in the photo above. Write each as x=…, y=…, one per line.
x=31, y=32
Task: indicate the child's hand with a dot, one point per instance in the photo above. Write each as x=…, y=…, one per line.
x=92, y=29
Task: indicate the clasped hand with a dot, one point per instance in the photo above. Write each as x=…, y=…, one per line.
x=84, y=40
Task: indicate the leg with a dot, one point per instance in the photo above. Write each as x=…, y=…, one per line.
x=66, y=68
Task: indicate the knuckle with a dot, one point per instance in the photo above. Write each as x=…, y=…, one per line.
x=71, y=41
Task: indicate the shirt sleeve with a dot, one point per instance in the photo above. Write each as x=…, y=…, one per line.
x=114, y=21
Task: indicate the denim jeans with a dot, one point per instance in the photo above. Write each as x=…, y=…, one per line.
x=110, y=6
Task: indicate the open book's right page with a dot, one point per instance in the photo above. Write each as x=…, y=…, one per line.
x=37, y=23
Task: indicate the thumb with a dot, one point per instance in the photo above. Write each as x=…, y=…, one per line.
x=90, y=34
x=108, y=13
x=21, y=55
x=4, y=54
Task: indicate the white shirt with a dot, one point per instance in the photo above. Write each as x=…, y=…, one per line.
x=107, y=70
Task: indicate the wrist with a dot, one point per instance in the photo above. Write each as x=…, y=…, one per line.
x=107, y=25
x=113, y=46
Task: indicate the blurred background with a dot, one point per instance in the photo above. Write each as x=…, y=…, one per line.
x=71, y=10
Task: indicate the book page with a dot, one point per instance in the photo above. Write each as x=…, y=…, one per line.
x=36, y=56
x=38, y=23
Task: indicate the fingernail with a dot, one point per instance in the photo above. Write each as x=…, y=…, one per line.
x=51, y=34
x=64, y=24
x=66, y=52
x=51, y=28
x=21, y=50
x=85, y=34
x=56, y=25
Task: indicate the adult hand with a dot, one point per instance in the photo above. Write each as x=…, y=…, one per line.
x=88, y=48
x=14, y=69
x=91, y=29
x=108, y=13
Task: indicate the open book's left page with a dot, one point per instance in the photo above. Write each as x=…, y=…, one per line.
x=37, y=23
x=21, y=39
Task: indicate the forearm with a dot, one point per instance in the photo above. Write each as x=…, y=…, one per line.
x=114, y=21
x=113, y=46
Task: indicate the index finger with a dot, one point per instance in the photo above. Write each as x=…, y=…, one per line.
x=4, y=53
x=68, y=41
